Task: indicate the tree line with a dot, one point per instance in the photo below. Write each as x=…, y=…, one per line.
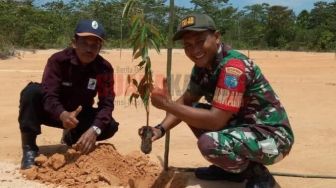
x=30, y=24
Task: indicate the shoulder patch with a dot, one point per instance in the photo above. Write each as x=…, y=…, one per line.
x=231, y=81
x=233, y=71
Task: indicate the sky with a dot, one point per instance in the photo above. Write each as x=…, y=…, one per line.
x=296, y=5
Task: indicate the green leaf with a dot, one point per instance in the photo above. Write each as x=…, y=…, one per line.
x=144, y=52
x=148, y=66
x=128, y=7
x=144, y=34
x=155, y=45
x=135, y=25
x=154, y=31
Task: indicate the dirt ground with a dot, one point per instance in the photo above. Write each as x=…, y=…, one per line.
x=304, y=81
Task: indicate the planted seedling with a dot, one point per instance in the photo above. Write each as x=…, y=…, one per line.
x=143, y=36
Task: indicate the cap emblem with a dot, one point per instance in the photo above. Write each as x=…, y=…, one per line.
x=188, y=21
x=94, y=24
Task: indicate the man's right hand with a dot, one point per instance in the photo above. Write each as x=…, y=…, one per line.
x=156, y=133
x=69, y=119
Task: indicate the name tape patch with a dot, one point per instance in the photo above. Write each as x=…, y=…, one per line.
x=188, y=21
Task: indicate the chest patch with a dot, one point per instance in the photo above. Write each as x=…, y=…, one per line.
x=92, y=84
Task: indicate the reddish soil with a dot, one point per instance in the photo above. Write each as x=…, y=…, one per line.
x=101, y=168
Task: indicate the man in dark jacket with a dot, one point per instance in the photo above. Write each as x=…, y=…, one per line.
x=65, y=98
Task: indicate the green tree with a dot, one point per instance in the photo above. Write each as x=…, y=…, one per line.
x=323, y=24
x=253, y=25
x=280, y=26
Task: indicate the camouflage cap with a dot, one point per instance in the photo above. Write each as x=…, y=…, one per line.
x=194, y=22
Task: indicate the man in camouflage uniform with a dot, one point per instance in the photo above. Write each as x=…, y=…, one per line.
x=244, y=126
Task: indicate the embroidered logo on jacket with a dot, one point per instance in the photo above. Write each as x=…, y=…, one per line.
x=92, y=84
x=68, y=84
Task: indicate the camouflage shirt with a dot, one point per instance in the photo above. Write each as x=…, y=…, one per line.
x=236, y=84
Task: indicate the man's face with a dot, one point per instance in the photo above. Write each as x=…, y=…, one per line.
x=87, y=48
x=201, y=47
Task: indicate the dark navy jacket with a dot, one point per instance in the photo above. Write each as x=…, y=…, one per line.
x=67, y=84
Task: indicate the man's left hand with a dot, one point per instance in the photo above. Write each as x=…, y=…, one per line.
x=87, y=141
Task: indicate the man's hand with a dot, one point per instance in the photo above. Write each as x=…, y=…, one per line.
x=87, y=141
x=69, y=119
x=156, y=133
x=161, y=97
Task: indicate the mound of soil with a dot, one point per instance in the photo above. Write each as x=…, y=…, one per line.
x=104, y=167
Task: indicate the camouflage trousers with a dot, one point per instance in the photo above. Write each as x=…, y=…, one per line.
x=232, y=148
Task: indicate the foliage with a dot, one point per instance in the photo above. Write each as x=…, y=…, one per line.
x=26, y=24
x=280, y=25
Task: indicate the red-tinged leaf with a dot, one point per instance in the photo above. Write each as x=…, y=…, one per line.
x=137, y=54
x=135, y=82
x=141, y=63
x=135, y=103
x=130, y=99
x=136, y=95
x=129, y=79
x=128, y=86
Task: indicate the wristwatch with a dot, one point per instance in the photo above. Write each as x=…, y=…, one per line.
x=97, y=130
x=163, y=131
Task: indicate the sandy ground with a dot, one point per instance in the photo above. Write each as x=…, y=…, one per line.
x=305, y=82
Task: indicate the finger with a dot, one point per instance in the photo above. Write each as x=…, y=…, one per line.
x=158, y=92
x=69, y=124
x=73, y=120
x=155, y=137
x=140, y=131
x=79, y=144
x=78, y=110
x=87, y=147
x=76, y=146
x=156, y=134
x=155, y=89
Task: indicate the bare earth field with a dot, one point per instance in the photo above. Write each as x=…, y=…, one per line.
x=304, y=81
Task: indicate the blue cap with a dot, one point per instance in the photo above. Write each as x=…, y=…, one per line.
x=90, y=28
